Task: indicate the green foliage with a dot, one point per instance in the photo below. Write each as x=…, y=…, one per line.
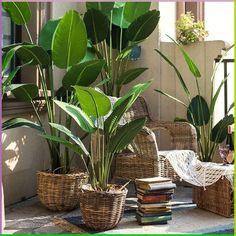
x=96, y=25
x=189, y=31
x=199, y=113
x=112, y=138
x=82, y=45
x=20, y=122
x=69, y=42
x=47, y=32
x=24, y=92
x=19, y=12
x=145, y=25
x=92, y=102
x=83, y=74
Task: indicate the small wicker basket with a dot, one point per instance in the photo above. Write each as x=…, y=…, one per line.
x=217, y=198
x=60, y=192
x=102, y=210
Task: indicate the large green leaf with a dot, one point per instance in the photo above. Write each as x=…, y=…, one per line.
x=97, y=25
x=24, y=92
x=47, y=32
x=191, y=65
x=125, y=135
x=76, y=139
x=74, y=147
x=198, y=111
x=219, y=132
x=83, y=74
x=143, y=26
x=184, y=86
x=135, y=9
x=80, y=117
x=92, y=102
x=33, y=53
x=20, y=122
x=19, y=12
x=130, y=75
x=69, y=42
x=118, y=17
x=104, y=7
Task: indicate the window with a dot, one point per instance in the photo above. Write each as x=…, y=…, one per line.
x=11, y=34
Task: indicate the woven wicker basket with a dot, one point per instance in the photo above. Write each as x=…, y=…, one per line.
x=217, y=198
x=60, y=192
x=102, y=210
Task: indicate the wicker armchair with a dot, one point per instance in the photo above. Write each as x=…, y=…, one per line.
x=145, y=160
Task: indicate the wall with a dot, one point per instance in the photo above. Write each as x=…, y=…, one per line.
x=24, y=152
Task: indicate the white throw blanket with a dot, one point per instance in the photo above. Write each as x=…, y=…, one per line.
x=193, y=171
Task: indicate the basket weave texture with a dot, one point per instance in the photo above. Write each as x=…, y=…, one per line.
x=60, y=192
x=145, y=160
x=102, y=210
x=217, y=198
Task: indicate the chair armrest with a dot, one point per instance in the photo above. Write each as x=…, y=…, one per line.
x=183, y=134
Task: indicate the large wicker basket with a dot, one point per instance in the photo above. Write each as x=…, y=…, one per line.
x=102, y=210
x=60, y=192
x=217, y=198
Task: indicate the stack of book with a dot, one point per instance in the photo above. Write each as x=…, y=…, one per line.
x=154, y=195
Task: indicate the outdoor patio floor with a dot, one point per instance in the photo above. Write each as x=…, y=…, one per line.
x=30, y=217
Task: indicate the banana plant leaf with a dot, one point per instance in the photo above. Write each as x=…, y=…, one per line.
x=69, y=44
x=19, y=12
x=97, y=25
x=92, y=102
x=104, y=7
x=20, y=122
x=219, y=131
x=66, y=131
x=133, y=10
x=198, y=111
x=143, y=26
x=74, y=147
x=47, y=32
x=83, y=74
x=80, y=117
x=171, y=97
x=191, y=65
x=181, y=80
x=125, y=135
x=24, y=92
x=130, y=75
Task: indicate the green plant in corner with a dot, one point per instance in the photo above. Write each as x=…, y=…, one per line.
x=199, y=112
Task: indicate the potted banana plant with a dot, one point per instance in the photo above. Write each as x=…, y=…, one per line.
x=199, y=112
x=57, y=187
x=101, y=203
